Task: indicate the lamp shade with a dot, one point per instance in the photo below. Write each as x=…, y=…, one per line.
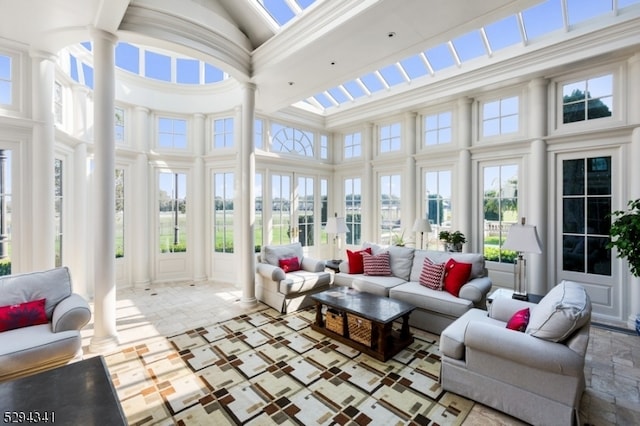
x=421, y=225
x=523, y=238
x=336, y=225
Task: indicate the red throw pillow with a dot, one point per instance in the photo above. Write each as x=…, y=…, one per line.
x=456, y=274
x=356, y=264
x=289, y=265
x=376, y=264
x=519, y=320
x=431, y=274
x=23, y=315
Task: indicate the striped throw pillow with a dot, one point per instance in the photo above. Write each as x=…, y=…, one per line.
x=432, y=274
x=376, y=264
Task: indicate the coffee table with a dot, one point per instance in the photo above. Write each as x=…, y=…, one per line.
x=373, y=312
x=80, y=393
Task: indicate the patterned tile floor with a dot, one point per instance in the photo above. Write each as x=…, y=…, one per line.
x=147, y=316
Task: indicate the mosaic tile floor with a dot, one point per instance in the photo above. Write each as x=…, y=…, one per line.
x=146, y=317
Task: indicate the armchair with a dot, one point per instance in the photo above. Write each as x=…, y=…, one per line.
x=536, y=375
x=289, y=291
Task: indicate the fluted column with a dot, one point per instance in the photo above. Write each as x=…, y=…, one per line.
x=246, y=196
x=463, y=209
x=198, y=206
x=105, y=334
x=538, y=278
x=140, y=214
x=42, y=155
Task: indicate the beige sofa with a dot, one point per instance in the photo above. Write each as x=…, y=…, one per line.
x=536, y=375
x=435, y=309
x=289, y=291
x=30, y=349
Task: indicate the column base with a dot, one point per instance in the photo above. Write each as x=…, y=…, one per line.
x=103, y=344
x=248, y=301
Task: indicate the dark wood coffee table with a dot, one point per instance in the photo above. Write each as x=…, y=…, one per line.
x=379, y=312
x=80, y=393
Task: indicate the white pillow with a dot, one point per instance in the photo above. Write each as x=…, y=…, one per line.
x=562, y=311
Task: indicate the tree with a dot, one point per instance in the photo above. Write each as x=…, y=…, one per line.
x=575, y=104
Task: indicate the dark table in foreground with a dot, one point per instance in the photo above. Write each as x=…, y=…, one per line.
x=80, y=393
x=381, y=312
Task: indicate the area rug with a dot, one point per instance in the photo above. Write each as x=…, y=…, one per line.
x=270, y=369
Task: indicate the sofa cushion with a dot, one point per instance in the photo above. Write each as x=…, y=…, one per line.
x=432, y=273
x=437, y=301
x=519, y=320
x=376, y=264
x=302, y=281
x=563, y=310
x=475, y=259
x=379, y=285
x=289, y=265
x=23, y=315
x=52, y=285
x=356, y=264
x=273, y=254
x=456, y=274
x=401, y=259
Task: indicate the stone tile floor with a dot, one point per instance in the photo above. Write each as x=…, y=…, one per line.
x=612, y=368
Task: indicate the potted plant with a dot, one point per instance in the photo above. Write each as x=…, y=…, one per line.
x=625, y=237
x=453, y=241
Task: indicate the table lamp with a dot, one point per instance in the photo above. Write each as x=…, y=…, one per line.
x=522, y=239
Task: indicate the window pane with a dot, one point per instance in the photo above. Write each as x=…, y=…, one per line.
x=599, y=259
x=573, y=216
x=127, y=57
x=188, y=71
x=573, y=177
x=598, y=210
x=599, y=176
x=172, y=211
x=573, y=253
x=157, y=66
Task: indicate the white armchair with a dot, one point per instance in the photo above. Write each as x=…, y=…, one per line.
x=289, y=291
x=536, y=375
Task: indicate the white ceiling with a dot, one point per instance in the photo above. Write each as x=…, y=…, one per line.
x=287, y=64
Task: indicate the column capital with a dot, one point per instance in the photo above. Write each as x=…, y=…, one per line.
x=42, y=54
x=97, y=33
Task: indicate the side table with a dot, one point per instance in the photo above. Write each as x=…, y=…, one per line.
x=334, y=265
x=505, y=292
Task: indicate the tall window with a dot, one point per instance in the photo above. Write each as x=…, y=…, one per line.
x=587, y=99
x=223, y=195
x=281, y=209
x=438, y=207
x=223, y=133
x=500, y=205
x=586, y=204
x=6, y=83
x=119, y=125
x=57, y=103
x=258, y=228
x=390, y=138
x=119, y=213
x=324, y=147
x=353, y=208
x=5, y=212
x=390, y=212
x=437, y=128
x=500, y=117
x=172, y=212
x=324, y=207
x=58, y=211
x=172, y=133
x=305, y=194
x=292, y=141
x=258, y=133
x=353, y=145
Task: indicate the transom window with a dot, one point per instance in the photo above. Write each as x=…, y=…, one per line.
x=172, y=133
x=352, y=145
x=390, y=138
x=500, y=116
x=437, y=128
x=587, y=99
x=291, y=140
x=223, y=133
x=6, y=84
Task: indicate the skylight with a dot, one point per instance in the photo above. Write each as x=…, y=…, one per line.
x=519, y=29
x=283, y=11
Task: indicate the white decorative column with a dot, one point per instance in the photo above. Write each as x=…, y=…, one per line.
x=42, y=155
x=105, y=334
x=198, y=203
x=140, y=212
x=633, y=94
x=246, y=196
x=463, y=183
x=412, y=185
x=537, y=202
x=368, y=201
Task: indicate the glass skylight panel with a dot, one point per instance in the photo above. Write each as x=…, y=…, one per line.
x=187, y=71
x=323, y=100
x=391, y=75
x=86, y=45
x=372, y=82
x=212, y=74
x=127, y=57
x=503, y=33
x=625, y=3
x=338, y=95
x=414, y=66
x=469, y=46
x=542, y=18
x=440, y=57
x=582, y=10
x=279, y=10
x=87, y=71
x=157, y=66
x=354, y=89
